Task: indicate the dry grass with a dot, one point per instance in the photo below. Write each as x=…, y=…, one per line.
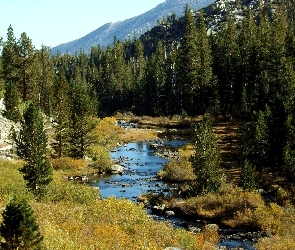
x=223, y=206
x=134, y=135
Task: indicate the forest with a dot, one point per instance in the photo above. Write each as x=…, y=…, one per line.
x=244, y=73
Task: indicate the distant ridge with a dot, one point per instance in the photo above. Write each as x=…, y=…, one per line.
x=105, y=34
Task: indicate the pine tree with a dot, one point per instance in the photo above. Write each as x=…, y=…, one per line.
x=138, y=67
x=194, y=67
x=248, y=63
x=207, y=96
x=27, y=68
x=31, y=146
x=81, y=121
x=61, y=110
x=155, y=81
x=248, y=176
x=206, y=158
x=254, y=140
x=226, y=54
x=188, y=64
x=19, y=227
x=44, y=79
x=11, y=77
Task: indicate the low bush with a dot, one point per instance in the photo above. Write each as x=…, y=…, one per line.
x=177, y=171
x=223, y=205
x=276, y=242
x=101, y=159
x=106, y=224
x=67, y=163
x=60, y=190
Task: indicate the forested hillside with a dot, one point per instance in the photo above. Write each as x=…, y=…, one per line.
x=243, y=70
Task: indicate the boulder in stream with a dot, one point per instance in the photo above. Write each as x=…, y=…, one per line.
x=117, y=169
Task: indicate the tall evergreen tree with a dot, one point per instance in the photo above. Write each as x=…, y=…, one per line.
x=248, y=176
x=206, y=158
x=31, y=146
x=188, y=64
x=19, y=227
x=254, y=140
x=11, y=77
x=207, y=97
x=155, y=82
x=226, y=54
x=81, y=121
x=138, y=67
x=44, y=79
x=27, y=68
x=247, y=63
x=194, y=66
x=60, y=112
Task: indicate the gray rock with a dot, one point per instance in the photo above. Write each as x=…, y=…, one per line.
x=169, y=213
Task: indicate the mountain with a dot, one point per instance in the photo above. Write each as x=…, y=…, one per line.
x=215, y=15
x=105, y=34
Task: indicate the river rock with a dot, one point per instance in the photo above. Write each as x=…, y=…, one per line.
x=117, y=169
x=169, y=213
x=158, y=209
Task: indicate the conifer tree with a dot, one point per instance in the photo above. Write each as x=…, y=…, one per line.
x=247, y=63
x=254, y=140
x=194, y=67
x=81, y=121
x=248, y=176
x=31, y=147
x=155, y=81
x=19, y=227
x=188, y=64
x=27, y=68
x=44, y=79
x=207, y=96
x=206, y=158
x=138, y=68
x=60, y=112
x=11, y=77
x=226, y=54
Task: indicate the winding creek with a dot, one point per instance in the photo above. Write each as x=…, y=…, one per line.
x=141, y=164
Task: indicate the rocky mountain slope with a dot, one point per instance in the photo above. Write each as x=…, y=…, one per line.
x=137, y=25
x=214, y=14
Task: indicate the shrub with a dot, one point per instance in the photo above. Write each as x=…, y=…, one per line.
x=177, y=171
x=67, y=163
x=275, y=219
x=106, y=224
x=276, y=242
x=68, y=191
x=223, y=205
x=101, y=158
x=105, y=133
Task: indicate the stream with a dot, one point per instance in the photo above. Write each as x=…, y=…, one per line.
x=142, y=162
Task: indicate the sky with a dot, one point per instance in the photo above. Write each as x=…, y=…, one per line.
x=52, y=22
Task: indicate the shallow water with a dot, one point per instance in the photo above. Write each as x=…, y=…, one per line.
x=140, y=177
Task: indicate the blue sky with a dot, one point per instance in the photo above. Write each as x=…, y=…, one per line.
x=52, y=22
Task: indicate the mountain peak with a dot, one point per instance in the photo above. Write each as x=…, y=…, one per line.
x=138, y=25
